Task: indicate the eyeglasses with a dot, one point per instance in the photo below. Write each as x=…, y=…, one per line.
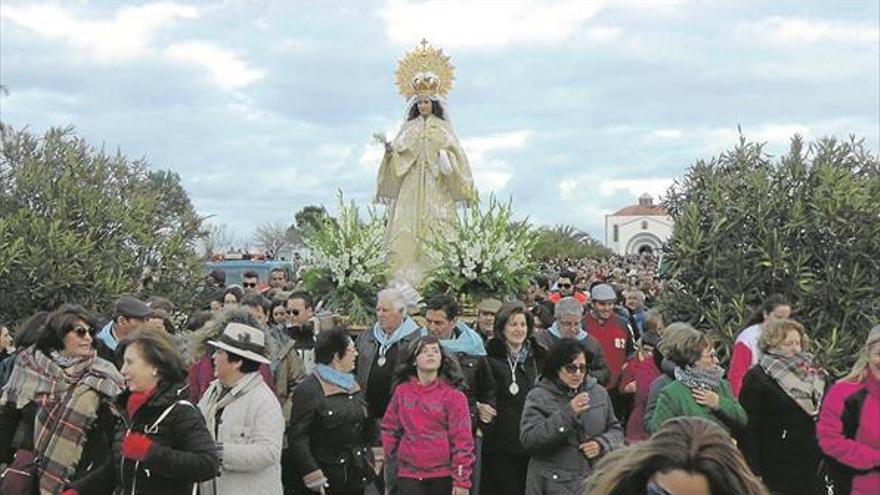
x=248, y=285
x=654, y=489
x=82, y=331
x=575, y=368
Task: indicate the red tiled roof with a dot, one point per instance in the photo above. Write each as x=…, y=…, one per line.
x=640, y=210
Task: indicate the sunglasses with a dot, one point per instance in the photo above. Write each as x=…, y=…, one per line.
x=565, y=286
x=293, y=312
x=654, y=489
x=249, y=285
x=575, y=368
x=81, y=332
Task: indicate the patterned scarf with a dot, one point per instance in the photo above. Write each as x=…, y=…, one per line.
x=799, y=377
x=69, y=395
x=695, y=377
x=522, y=355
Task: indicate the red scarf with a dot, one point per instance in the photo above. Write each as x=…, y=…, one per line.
x=136, y=400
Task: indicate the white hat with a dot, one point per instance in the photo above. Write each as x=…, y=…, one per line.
x=243, y=340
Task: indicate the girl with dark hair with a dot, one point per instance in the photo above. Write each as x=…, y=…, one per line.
x=25, y=337
x=162, y=446
x=334, y=443
x=745, y=352
x=567, y=423
x=515, y=360
x=232, y=296
x=59, y=393
x=427, y=426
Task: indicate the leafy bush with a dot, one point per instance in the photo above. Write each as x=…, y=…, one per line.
x=806, y=225
x=79, y=225
x=564, y=241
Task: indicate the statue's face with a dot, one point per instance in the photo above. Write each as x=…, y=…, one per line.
x=424, y=105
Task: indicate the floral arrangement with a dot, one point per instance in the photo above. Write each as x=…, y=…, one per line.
x=483, y=253
x=350, y=262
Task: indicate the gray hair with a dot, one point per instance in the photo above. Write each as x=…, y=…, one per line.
x=394, y=297
x=639, y=295
x=568, y=306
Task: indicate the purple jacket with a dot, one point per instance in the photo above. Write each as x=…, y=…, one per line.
x=428, y=428
x=863, y=452
x=201, y=374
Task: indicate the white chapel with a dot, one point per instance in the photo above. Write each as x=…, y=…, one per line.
x=640, y=228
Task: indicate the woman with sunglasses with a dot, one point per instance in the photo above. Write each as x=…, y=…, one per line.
x=567, y=424
x=687, y=455
x=60, y=395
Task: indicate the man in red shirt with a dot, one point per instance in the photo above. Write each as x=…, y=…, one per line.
x=606, y=326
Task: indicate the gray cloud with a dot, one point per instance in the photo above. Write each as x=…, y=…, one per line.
x=633, y=92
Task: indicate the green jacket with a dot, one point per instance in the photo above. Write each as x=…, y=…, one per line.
x=676, y=400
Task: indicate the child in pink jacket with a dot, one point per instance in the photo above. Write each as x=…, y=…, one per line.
x=427, y=426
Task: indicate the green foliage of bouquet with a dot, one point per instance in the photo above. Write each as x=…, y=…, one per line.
x=483, y=253
x=350, y=262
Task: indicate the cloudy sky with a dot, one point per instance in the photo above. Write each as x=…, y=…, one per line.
x=573, y=109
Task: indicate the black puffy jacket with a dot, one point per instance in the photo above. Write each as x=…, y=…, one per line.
x=330, y=429
x=182, y=453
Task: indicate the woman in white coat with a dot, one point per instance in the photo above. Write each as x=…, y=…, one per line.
x=244, y=416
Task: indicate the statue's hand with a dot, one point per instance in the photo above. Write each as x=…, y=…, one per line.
x=443, y=163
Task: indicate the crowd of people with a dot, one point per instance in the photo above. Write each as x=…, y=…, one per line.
x=577, y=386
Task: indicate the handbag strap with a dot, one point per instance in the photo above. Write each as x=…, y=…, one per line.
x=153, y=428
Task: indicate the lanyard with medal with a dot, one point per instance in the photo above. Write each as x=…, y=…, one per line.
x=382, y=350
x=514, y=388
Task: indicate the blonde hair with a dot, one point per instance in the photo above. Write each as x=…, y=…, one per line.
x=775, y=331
x=690, y=444
x=860, y=368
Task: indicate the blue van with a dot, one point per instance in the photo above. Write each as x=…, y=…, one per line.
x=235, y=268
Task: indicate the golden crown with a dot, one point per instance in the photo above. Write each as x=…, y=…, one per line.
x=425, y=70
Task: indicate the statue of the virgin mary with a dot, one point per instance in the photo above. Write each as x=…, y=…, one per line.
x=424, y=173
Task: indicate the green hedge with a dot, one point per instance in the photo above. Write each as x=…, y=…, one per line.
x=80, y=225
x=806, y=225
